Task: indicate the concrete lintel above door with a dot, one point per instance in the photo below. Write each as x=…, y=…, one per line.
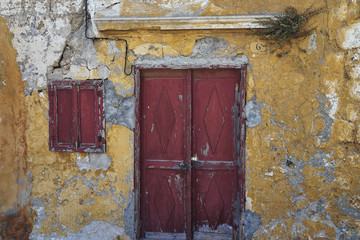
x=190, y=62
x=179, y=23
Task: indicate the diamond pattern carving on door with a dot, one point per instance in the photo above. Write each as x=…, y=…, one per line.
x=214, y=119
x=214, y=203
x=164, y=197
x=164, y=118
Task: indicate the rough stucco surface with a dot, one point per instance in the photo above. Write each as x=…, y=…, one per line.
x=14, y=218
x=302, y=140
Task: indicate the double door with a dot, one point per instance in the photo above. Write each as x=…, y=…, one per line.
x=190, y=151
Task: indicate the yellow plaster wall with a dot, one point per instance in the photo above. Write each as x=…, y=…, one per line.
x=12, y=124
x=287, y=185
x=72, y=198
x=295, y=91
x=14, y=217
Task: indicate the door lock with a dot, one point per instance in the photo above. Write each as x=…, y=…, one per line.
x=194, y=158
x=184, y=167
x=194, y=162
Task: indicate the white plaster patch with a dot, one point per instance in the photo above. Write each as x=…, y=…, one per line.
x=41, y=30
x=355, y=90
x=349, y=37
x=170, y=4
x=104, y=4
x=91, y=10
x=312, y=45
x=10, y=7
x=104, y=72
x=36, y=51
x=191, y=62
x=223, y=228
x=42, y=97
x=332, y=96
x=355, y=72
x=78, y=72
x=112, y=48
x=334, y=104
x=341, y=11
x=145, y=48
x=356, y=56
x=248, y=203
x=94, y=160
x=206, y=150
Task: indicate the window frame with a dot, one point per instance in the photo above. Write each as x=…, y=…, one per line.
x=76, y=145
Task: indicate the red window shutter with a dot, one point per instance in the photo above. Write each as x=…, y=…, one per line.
x=87, y=111
x=76, y=116
x=91, y=114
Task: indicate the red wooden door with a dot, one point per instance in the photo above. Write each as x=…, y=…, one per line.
x=186, y=114
x=214, y=179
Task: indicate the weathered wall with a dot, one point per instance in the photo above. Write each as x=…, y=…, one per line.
x=302, y=162
x=14, y=219
x=72, y=196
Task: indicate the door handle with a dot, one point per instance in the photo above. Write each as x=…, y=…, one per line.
x=194, y=158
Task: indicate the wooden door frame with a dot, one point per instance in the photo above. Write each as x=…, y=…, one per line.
x=240, y=141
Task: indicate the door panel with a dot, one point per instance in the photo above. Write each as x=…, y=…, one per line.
x=213, y=114
x=163, y=111
x=164, y=200
x=214, y=178
x=162, y=149
x=189, y=113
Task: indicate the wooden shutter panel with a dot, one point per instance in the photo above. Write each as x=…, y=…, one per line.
x=88, y=124
x=76, y=116
x=63, y=101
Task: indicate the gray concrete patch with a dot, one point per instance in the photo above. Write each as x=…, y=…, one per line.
x=96, y=230
x=119, y=110
x=323, y=160
x=313, y=210
x=129, y=218
x=251, y=224
x=253, y=113
x=38, y=205
x=343, y=206
x=293, y=171
x=346, y=231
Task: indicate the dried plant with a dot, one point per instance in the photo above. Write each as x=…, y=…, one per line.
x=290, y=25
